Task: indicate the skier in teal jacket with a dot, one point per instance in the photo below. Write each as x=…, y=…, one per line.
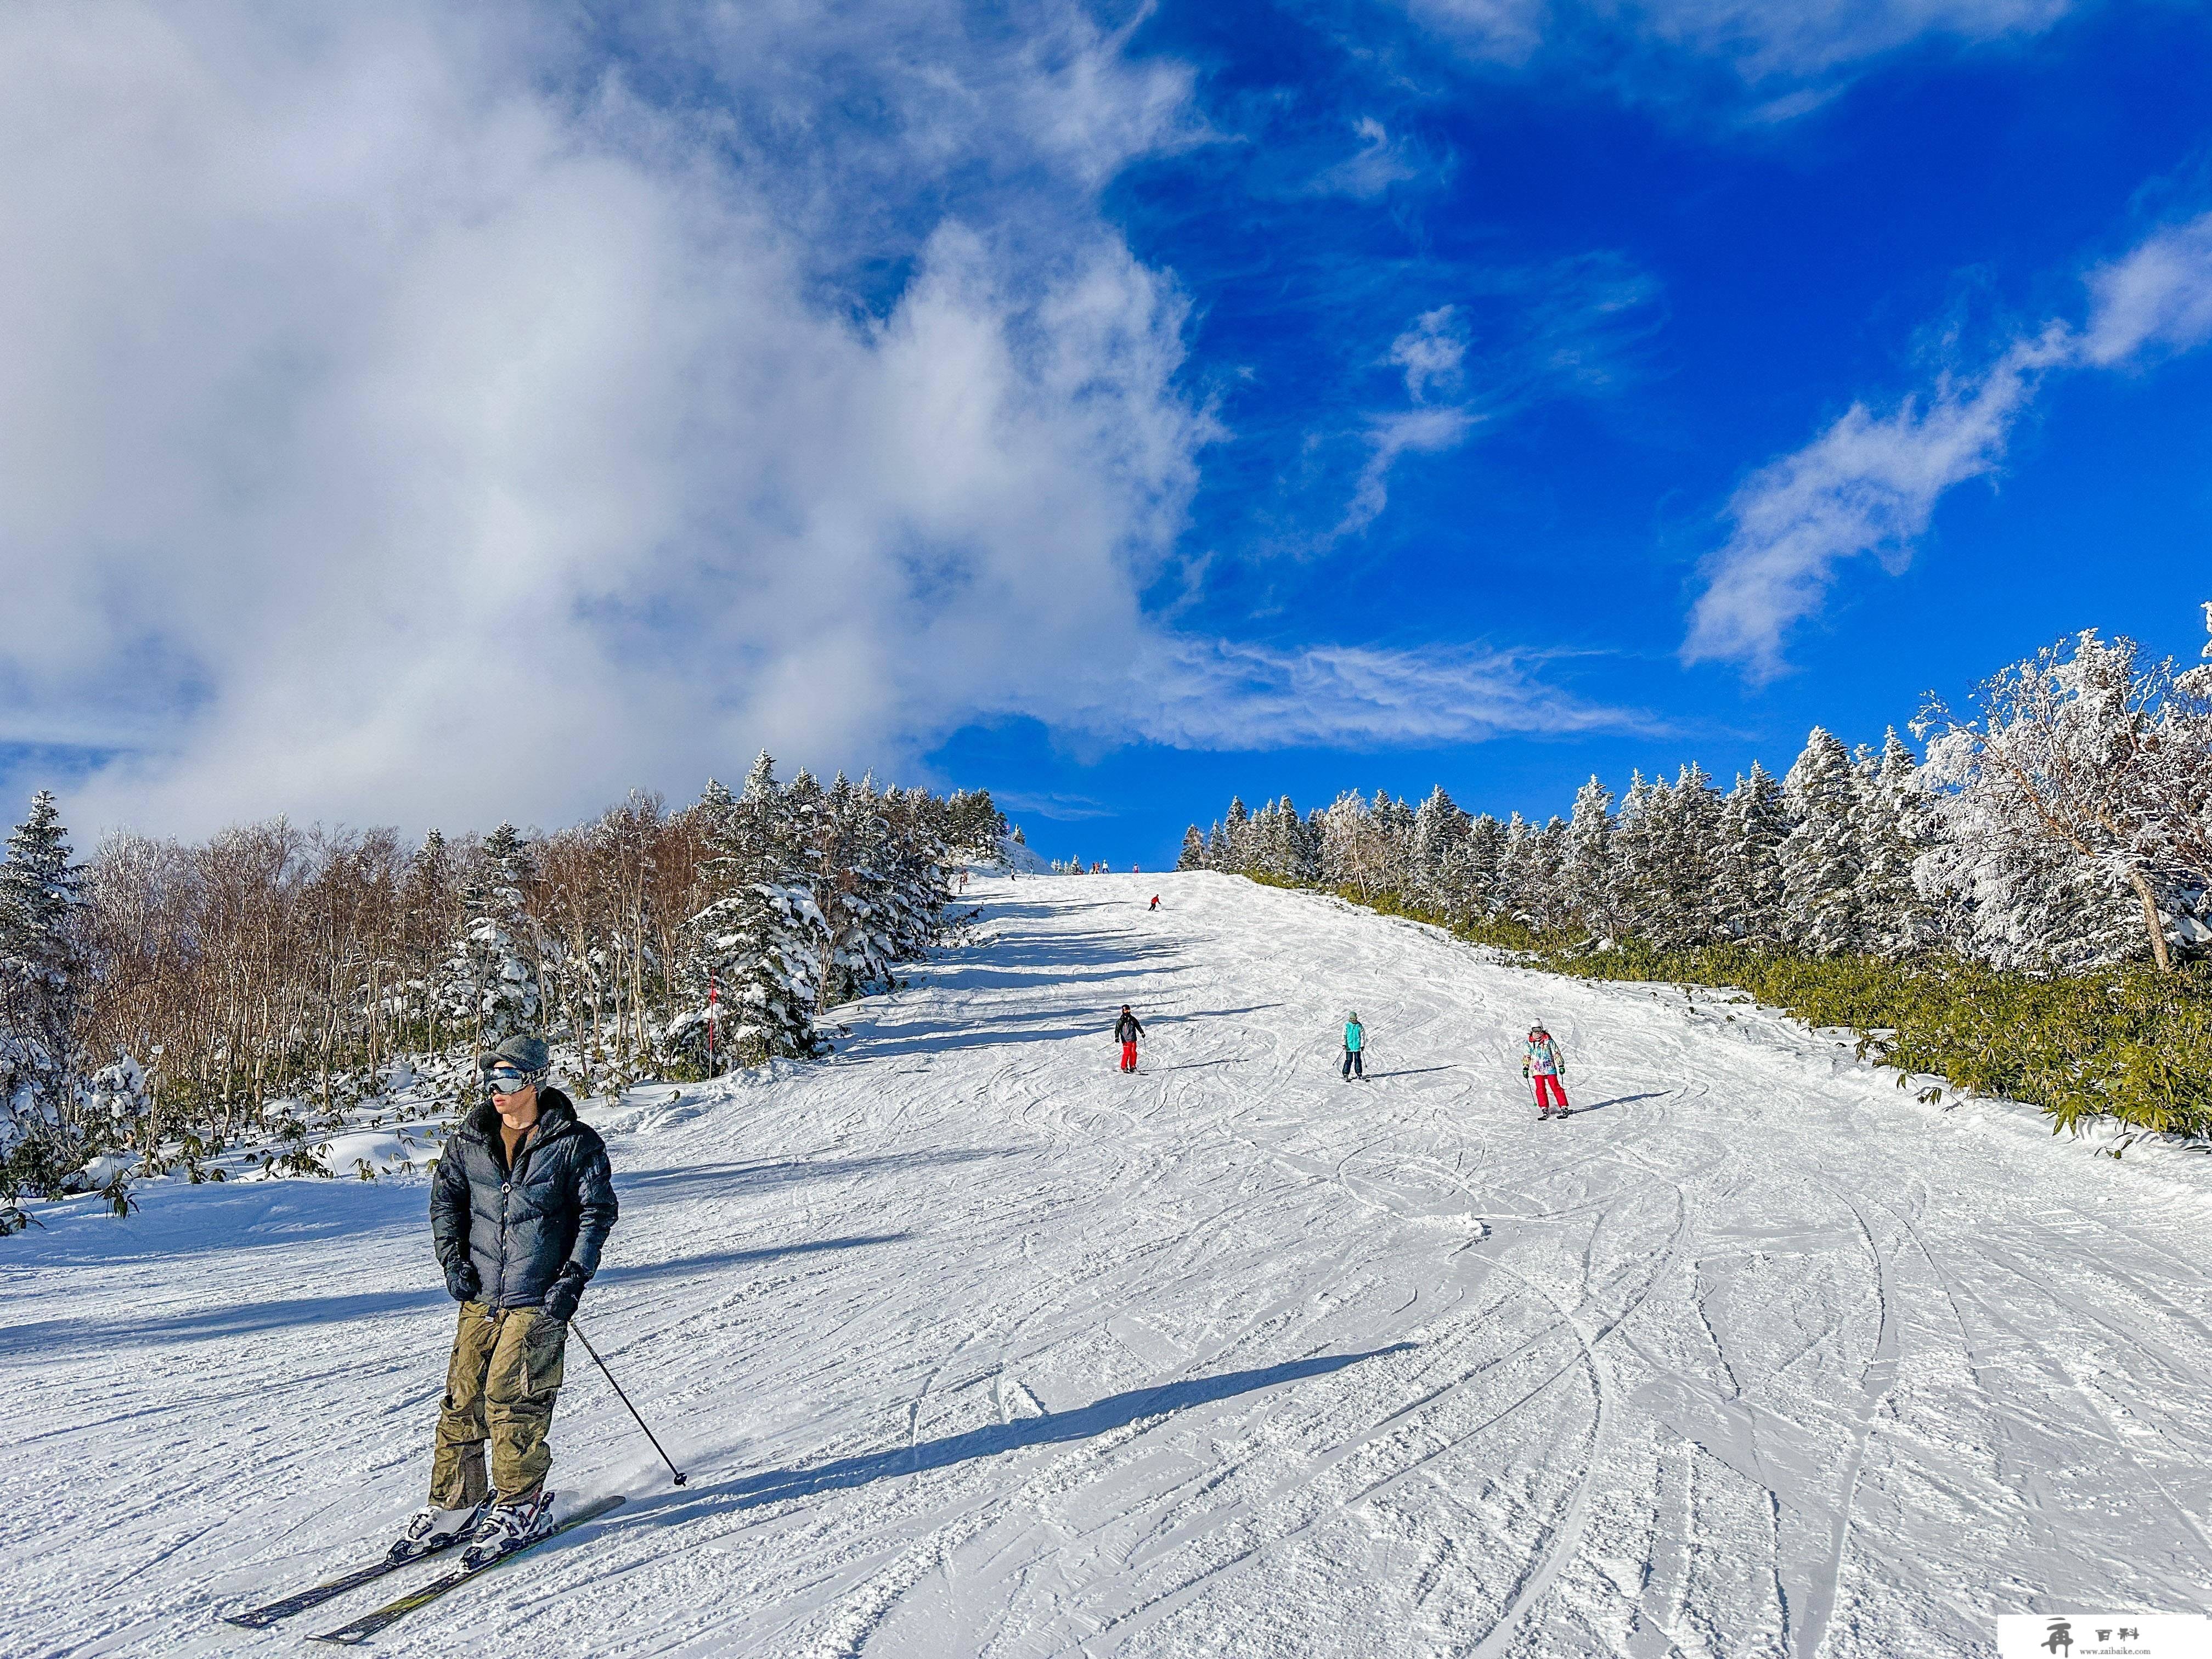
x=1355, y=1043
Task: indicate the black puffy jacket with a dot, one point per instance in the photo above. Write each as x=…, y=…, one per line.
x=522, y=1226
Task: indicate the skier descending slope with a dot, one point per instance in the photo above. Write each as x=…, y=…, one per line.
x=1539, y=1059
x=1126, y=1032
x=520, y=1206
x=1355, y=1043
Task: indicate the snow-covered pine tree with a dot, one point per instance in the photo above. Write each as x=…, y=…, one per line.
x=493, y=967
x=1277, y=838
x=973, y=824
x=1194, y=850
x=1754, y=823
x=40, y=891
x=1636, y=897
x=1439, y=829
x=1896, y=826
x=1548, y=903
x=1285, y=840
x=431, y=899
x=760, y=779
x=1391, y=822
x=1235, y=849
x=878, y=881
x=760, y=936
x=1686, y=840
x=1586, y=868
x=1261, y=842
x=1474, y=876
x=1822, y=862
x=916, y=866
x=1300, y=856
x=1516, y=896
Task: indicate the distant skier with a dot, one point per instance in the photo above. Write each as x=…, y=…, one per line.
x=1355, y=1043
x=1156, y=901
x=1540, y=1060
x=520, y=1204
x=1127, y=1030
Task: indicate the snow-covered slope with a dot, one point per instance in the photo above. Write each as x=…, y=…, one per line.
x=973, y=1345
x=1019, y=857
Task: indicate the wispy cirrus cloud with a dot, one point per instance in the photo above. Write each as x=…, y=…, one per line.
x=1226, y=694
x=1377, y=163
x=1572, y=328
x=1059, y=808
x=1785, y=56
x=1431, y=353
x=1870, y=483
x=2157, y=297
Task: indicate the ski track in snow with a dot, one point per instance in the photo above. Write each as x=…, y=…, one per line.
x=974, y=1346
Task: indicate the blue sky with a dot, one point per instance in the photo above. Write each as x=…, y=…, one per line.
x=433, y=419
x=1763, y=274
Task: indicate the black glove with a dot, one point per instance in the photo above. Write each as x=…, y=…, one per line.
x=560, y=1300
x=462, y=1283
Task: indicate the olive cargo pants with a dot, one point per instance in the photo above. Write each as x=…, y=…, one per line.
x=500, y=1385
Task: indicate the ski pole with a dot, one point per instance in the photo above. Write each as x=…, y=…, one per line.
x=681, y=1478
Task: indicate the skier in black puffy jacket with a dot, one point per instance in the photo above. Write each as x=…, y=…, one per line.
x=520, y=1206
x=1126, y=1032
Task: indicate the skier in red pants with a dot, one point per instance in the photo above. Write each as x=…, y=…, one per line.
x=1126, y=1032
x=1540, y=1060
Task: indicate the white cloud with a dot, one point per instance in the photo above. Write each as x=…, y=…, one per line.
x=1431, y=352
x=1568, y=328
x=2158, y=295
x=1790, y=54
x=1870, y=483
x=1429, y=431
x=1501, y=31
x=1223, y=695
x=1378, y=163
x=1764, y=41
x=403, y=420
x=1059, y=808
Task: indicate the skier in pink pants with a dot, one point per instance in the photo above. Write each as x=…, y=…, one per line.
x=1539, y=1059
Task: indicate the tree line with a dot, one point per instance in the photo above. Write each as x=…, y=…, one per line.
x=164, y=996
x=2062, y=821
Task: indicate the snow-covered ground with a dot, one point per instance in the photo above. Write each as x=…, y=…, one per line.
x=973, y=1346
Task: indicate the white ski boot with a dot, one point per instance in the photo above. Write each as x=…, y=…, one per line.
x=430, y=1529
x=507, y=1527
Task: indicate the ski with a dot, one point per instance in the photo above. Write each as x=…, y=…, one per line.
x=262, y=1617
x=392, y=1613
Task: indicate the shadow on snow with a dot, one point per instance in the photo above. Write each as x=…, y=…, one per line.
x=1057, y=1428
x=253, y=1318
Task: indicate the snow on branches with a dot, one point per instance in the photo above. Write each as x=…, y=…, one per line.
x=2078, y=777
x=2064, y=821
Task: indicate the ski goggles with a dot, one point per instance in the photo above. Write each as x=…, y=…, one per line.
x=507, y=1081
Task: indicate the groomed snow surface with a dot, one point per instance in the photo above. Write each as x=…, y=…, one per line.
x=973, y=1346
